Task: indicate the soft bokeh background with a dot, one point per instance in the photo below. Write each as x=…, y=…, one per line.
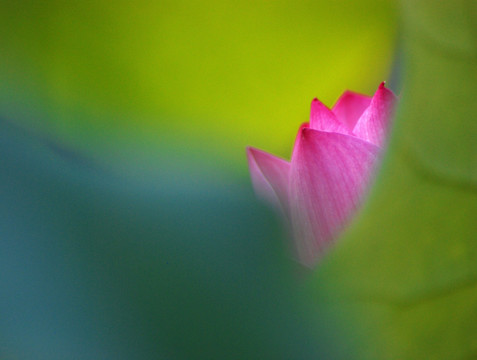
x=128, y=228
x=140, y=81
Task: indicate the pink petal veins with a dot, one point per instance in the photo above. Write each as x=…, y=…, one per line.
x=333, y=160
x=350, y=106
x=323, y=119
x=328, y=177
x=269, y=177
x=373, y=125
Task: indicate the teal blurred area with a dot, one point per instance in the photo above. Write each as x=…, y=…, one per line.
x=128, y=226
x=100, y=265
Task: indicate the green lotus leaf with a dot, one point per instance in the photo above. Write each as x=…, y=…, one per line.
x=401, y=283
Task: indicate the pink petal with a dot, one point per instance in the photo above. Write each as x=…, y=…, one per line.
x=298, y=135
x=328, y=176
x=373, y=125
x=321, y=118
x=269, y=177
x=350, y=106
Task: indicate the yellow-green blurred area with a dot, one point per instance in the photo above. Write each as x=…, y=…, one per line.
x=101, y=264
x=168, y=78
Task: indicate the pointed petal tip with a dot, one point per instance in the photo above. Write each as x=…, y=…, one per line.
x=322, y=118
x=298, y=136
x=304, y=126
x=310, y=136
x=269, y=175
x=384, y=95
x=350, y=106
x=308, y=133
x=374, y=123
x=316, y=104
x=305, y=133
x=349, y=92
x=253, y=153
x=249, y=151
x=260, y=155
x=383, y=89
x=352, y=96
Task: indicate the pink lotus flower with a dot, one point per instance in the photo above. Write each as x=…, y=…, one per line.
x=333, y=160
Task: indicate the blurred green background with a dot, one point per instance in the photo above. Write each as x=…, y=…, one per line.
x=133, y=81
x=128, y=226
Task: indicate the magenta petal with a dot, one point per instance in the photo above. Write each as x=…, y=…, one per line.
x=269, y=177
x=373, y=125
x=328, y=177
x=298, y=135
x=350, y=106
x=323, y=119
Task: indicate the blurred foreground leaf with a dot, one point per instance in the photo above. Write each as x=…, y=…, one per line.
x=402, y=283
